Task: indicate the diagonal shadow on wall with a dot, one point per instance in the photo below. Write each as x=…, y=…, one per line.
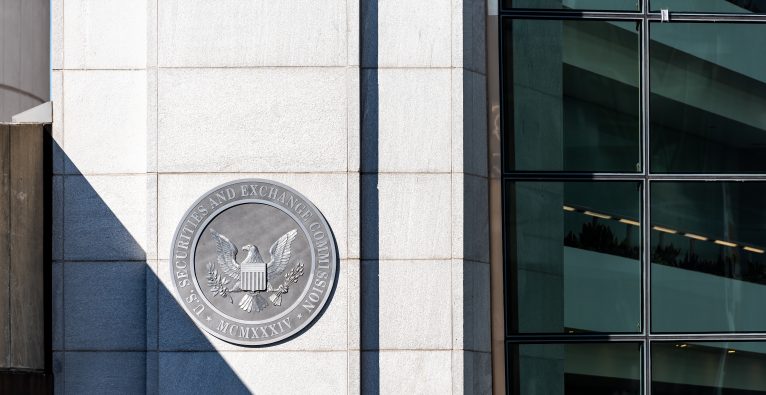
x=116, y=328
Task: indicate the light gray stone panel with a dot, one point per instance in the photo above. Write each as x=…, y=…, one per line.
x=258, y=120
x=469, y=122
x=178, y=332
x=177, y=192
x=104, y=34
x=151, y=217
x=353, y=216
x=151, y=119
x=105, y=306
x=57, y=34
x=231, y=372
x=407, y=120
x=470, y=306
x=411, y=303
x=470, y=217
x=104, y=217
x=152, y=22
x=57, y=306
x=419, y=372
x=406, y=216
x=353, y=288
x=354, y=372
x=246, y=33
x=352, y=30
x=104, y=373
x=471, y=372
x=105, y=120
x=408, y=33
x=57, y=128
x=353, y=118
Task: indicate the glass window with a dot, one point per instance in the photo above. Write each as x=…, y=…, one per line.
x=572, y=257
x=683, y=368
x=607, y=5
x=571, y=96
x=589, y=368
x=708, y=262
x=708, y=97
x=718, y=6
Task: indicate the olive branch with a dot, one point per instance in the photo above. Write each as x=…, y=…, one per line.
x=290, y=277
x=217, y=283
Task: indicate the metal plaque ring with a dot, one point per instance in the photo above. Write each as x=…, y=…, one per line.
x=253, y=262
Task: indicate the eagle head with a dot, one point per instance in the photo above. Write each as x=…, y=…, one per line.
x=253, y=255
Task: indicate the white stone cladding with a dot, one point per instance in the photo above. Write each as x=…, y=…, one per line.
x=158, y=101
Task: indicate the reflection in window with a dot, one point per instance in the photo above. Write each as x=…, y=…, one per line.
x=682, y=368
x=708, y=98
x=603, y=5
x=574, y=369
x=571, y=96
x=572, y=256
x=709, y=266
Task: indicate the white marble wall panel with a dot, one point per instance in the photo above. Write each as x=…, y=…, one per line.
x=416, y=372
x=264, y=120
x=413, y=304
x=410, y=34
x=105, y=121
x=252, y=33
x=412, y=215
x=412, y=121
x=104, y=34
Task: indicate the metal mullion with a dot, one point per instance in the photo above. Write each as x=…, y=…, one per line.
x=711, y=17
x=569, y=176
x=646, y=301
x=575, y=338
x=574, y=14
x=722, y=336
x=708, y=177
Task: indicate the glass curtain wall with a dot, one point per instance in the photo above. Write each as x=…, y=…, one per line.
x=634, y=196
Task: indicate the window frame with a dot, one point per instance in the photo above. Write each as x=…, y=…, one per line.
x=500, y=175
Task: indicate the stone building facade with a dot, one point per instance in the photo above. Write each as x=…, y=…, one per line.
x=374, y=110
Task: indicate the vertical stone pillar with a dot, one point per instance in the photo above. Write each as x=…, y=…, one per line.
x=425, y=273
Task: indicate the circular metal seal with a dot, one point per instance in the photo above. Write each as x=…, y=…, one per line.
x=253, y=262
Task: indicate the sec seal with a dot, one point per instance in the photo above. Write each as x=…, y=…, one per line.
x=253, y=262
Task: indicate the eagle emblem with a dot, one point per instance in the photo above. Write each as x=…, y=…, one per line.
x=253, y=276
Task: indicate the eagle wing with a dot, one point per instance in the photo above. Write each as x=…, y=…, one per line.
x=227, y=254
x=280, y=253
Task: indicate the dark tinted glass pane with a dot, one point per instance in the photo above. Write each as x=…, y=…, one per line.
x=708, y=262
x=730, y=368
x=571, y=95
x=708, y=97
x=572, y=257
x=718, y=6
x=573, y=369
x=601, y=5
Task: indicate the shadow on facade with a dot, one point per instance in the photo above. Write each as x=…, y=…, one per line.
x=117, y=328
